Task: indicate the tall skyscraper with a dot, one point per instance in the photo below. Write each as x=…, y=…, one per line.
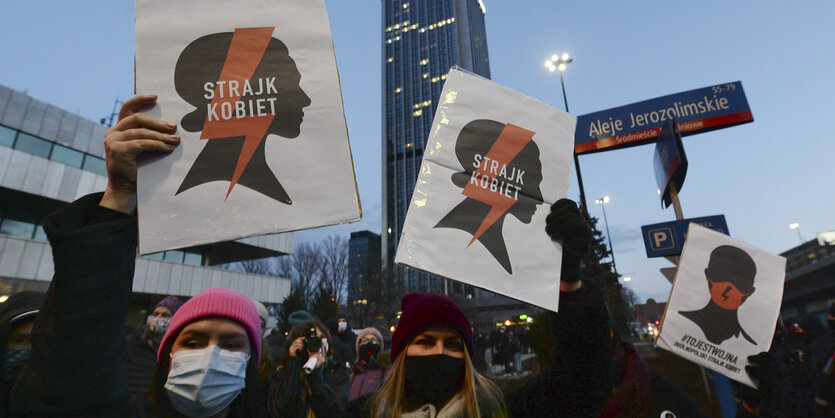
x=363, y=265
x=422, y=40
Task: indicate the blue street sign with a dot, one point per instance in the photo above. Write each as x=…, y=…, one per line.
x=697, y=111
x=667, y=238
x=670, y=161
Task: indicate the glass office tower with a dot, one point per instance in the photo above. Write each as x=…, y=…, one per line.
x=422, y=39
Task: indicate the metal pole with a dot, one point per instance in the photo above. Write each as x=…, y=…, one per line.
x=576, y=160
x=676, y=203
x=800, y=237
x=609, y=236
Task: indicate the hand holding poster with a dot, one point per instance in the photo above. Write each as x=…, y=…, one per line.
x=492, y=152
x=254, y=90
x=724, y=304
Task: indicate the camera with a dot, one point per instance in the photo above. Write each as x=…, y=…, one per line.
x=312, y=342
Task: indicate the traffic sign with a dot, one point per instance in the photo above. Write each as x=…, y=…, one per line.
x=670, y=161
x=667, y=238
x=699, y=110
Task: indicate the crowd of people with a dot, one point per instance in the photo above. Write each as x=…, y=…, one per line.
x=66, y=352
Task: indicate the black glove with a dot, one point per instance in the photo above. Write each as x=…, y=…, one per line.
x=762, y=370
x=567, y=224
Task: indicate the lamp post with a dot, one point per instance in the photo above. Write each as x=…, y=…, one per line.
x=796, y=227
x=602, y=202
x=559, y=62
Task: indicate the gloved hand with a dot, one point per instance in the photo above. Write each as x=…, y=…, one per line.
x=763, y=371
x=565, y=223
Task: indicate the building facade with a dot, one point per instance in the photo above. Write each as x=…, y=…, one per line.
x=363, y=264
x=422, y=39
x=48, y=158
x=810, y=279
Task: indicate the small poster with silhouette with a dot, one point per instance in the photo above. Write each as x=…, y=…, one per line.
x=493, y=164
x=254, y=91
x=724, y=303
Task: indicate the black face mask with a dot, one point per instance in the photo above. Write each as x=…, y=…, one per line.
x=434, y=379
x=369, y=350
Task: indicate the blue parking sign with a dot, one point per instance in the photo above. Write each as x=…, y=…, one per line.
x=667, y=238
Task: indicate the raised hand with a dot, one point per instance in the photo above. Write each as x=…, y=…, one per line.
x=135, y=133
x=565, y=223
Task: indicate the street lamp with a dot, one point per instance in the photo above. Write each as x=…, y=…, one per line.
x=796, y=227
x=627, y=279
x=602, y=202
x=559, y=62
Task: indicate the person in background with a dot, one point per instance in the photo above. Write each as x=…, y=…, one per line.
x=501, y=351
x=825, y=397
x=17, y=314
x=304, y=383
x=263, y=315
x=207, y=361
x=141, y=347
x=639, y=391
x=516, y=352
x=346, y=335
x=370, y=365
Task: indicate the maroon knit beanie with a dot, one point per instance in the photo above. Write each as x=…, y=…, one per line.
x=173, y=303
x=217, y=302
x=420, y=311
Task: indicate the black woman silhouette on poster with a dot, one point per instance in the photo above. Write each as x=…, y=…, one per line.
x=245, y=86
x=502, y=174
x=730, y=280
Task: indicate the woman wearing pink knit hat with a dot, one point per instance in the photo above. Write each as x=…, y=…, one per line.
x=207, y=359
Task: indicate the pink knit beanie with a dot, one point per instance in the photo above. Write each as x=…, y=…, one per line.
x=217, y=302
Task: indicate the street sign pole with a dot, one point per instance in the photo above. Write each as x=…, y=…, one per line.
x=676, y=203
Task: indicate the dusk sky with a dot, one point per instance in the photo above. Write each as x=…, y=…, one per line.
x=762, y=176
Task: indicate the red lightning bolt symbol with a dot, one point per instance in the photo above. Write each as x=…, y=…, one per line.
x=245, y=52
x=508, y=145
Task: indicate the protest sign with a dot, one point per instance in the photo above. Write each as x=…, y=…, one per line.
x=491, y=152
x=724, y=303
x=254, y=89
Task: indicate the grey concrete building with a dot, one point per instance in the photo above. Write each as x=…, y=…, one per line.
x=50, y=157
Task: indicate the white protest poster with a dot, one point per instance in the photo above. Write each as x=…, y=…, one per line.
x=254, y=90
x=495, y=161
x=724, y=303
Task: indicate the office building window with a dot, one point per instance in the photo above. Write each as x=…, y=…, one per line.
x=47, y=149
x=95, y=165
x=18, y=223
x=32, y=145
x=173, y=255
x=7, y=136
x=67, y=156
x=193, y=258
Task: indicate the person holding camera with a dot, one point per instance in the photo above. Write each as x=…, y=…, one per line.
x=306, y=381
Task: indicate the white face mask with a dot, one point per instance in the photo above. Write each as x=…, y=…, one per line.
x=203, y=382
x=342, y=326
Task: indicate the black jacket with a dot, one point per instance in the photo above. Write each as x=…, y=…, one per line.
x=77, y=363
x=141, y=362
x=293, y=393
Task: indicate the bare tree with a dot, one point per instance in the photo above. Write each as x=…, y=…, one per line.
x=334, y=251
x=306, y=262
x=265, y=266
x=284, y=266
